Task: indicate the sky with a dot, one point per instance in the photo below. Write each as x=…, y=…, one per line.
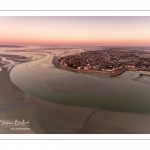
x=81, y=30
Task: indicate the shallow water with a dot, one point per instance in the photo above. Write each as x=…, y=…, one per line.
x=41, y=79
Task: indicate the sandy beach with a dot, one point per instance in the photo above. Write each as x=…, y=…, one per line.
x=50, y=118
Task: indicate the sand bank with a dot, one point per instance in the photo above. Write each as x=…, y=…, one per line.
x=46, y=117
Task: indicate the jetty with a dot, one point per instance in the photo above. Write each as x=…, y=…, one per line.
x=117, y=72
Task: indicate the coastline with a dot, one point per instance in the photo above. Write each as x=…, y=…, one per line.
x=47, y=117
x=56, y=63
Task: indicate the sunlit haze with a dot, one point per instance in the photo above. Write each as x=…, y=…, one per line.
x=102, y=31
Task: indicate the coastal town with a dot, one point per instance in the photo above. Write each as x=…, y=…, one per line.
x=112, y=61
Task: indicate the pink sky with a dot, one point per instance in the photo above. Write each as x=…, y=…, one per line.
x=105, y=31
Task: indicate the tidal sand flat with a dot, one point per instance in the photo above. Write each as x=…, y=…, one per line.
x=10, y=94
x=50, y=118
x=44, y=117
x=60, y=118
